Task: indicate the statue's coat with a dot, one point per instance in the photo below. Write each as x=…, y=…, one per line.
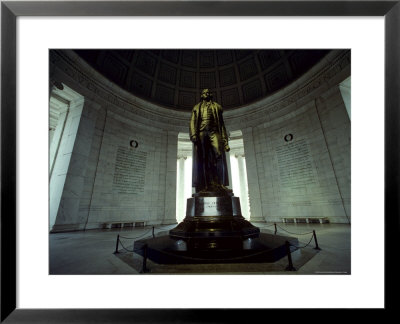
x=197, y=171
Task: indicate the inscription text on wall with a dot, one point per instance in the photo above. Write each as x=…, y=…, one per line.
x=295, y=165
x=130, y=171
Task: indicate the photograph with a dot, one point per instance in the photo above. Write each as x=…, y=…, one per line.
x=199, y=161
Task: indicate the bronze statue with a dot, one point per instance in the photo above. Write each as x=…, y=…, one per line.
x=214, y=218
x=208, y=133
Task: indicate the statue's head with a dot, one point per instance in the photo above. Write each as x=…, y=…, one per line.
x=206, y=94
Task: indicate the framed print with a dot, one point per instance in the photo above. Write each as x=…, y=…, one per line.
x=139, y=23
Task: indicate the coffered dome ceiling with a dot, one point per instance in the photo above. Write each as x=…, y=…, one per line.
x=174, y=78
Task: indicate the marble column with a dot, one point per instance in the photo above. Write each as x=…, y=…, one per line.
x=180, y=192
x=170, y=178
x=244, y=197
x=228, y=164
x=256, y=214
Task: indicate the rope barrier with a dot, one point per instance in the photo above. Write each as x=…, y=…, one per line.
x=301, y=247
x=134, y=238
x=127, y=238
x=153, y=228
x=294, y=233
x=290, y=266
x=314, y=236
x=124, y=246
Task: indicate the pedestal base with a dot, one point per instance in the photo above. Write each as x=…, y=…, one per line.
x=214, y=230
x=214, y=222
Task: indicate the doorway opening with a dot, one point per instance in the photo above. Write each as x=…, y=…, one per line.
x=236, y=170
x=239, y=172
x=184, y=175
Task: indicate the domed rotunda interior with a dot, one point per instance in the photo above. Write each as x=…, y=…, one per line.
x=120, y=155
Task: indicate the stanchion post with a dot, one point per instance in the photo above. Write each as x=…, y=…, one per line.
x=153, y=232
x=316, y=242
x=116, y=246
x=275, y=228
x=144, y=268
x=290, y=265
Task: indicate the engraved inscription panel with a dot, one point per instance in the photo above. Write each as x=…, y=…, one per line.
x=130, y=170
x=295, y=164
x=213, y=206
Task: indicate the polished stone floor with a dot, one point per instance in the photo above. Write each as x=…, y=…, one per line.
x=92, y=252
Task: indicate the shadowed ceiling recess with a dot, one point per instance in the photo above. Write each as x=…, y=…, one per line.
x=174, y=78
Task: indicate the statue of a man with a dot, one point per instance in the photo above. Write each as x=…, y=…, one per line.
x=207, y=132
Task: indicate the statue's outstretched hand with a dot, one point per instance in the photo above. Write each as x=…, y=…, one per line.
x=227, y=148
x=193, y=138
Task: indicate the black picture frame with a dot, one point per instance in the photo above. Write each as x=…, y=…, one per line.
x=10, y=10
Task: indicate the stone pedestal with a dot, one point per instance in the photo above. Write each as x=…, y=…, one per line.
x=214, y=231
x=214, y=222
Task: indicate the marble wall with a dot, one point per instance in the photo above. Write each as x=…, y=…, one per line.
x=300, y=165
x=121, y=172
x=296, y=146
x=131, y=182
